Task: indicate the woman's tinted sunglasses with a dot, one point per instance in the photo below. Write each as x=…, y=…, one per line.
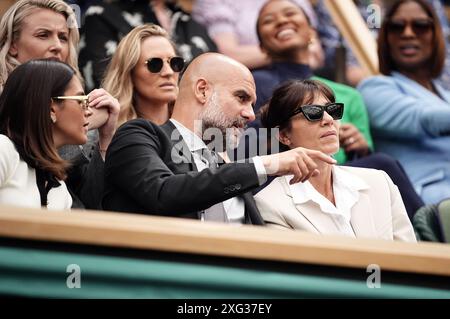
x=419, y=26
x=314, y=113
x=83, y=100
x=155, y=65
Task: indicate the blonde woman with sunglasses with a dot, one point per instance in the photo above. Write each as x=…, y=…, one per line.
x=143, y=74
x=42, y=108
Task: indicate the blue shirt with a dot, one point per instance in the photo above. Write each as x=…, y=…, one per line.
x=412, y=124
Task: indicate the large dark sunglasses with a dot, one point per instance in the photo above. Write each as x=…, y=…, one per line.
x=314, y=113
x=419, y=26
x=155, y=65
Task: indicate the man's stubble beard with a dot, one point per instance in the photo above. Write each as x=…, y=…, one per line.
x=215, y=122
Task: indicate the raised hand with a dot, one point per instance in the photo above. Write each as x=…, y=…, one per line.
x=106, y=113
x=300, y=162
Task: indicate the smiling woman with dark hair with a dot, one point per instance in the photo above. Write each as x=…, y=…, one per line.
x=42, y=107
x=409, y=112
x=341, y=200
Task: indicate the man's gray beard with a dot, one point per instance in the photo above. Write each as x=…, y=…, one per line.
x=212, y=118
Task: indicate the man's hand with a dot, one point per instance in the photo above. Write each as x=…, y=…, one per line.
x=300, y=162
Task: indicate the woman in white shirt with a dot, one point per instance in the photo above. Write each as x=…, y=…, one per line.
x=42, y=107
x=356, y=202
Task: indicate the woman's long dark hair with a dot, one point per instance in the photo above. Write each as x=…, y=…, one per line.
x=25, y=106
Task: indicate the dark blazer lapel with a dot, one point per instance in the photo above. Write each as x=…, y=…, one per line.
x=181, y=156
x=179, y=150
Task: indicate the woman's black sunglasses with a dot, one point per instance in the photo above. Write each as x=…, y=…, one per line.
x=155, y=65
x=419, y=26
x=314, y=113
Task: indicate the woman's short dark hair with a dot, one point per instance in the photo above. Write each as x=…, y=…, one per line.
x=25, y=106
x=387, y=64
x=288, y=97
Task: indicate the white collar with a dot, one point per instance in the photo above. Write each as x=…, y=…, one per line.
x=346, y=187
x=191, y=139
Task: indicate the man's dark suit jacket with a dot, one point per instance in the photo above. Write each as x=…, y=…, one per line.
x=149, y=170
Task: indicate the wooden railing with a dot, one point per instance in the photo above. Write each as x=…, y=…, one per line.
x=190, y=236
x=355, y=31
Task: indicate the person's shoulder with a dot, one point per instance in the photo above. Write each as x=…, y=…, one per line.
x=6, y=144
x=376, y=80
x=138, y=124
x=137, y=130
x=334, y=85
x=263, y=74
x=339, y=88
x=360, y=171
x=265, y=80
x=8, y=151
x=274, y=187
x=138, y=133
x=368, y=175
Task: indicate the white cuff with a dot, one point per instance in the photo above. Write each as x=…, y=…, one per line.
x=260, y=169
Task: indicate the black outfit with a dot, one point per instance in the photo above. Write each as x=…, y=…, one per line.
x=147, y=172
x=105, y=24
x=85, y=177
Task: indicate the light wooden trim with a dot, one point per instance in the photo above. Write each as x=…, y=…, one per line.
x=353, y=28
x=191, y=236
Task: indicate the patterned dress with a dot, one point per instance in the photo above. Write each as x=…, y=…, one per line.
x=106, y=23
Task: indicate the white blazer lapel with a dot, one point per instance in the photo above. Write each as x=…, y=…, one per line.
x=319, y=220
x=362, y=217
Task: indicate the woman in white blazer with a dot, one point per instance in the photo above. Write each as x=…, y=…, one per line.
x=355, y=202
x=43, y=107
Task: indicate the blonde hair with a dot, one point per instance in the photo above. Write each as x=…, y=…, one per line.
x=11, y=26
x=118, y=81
